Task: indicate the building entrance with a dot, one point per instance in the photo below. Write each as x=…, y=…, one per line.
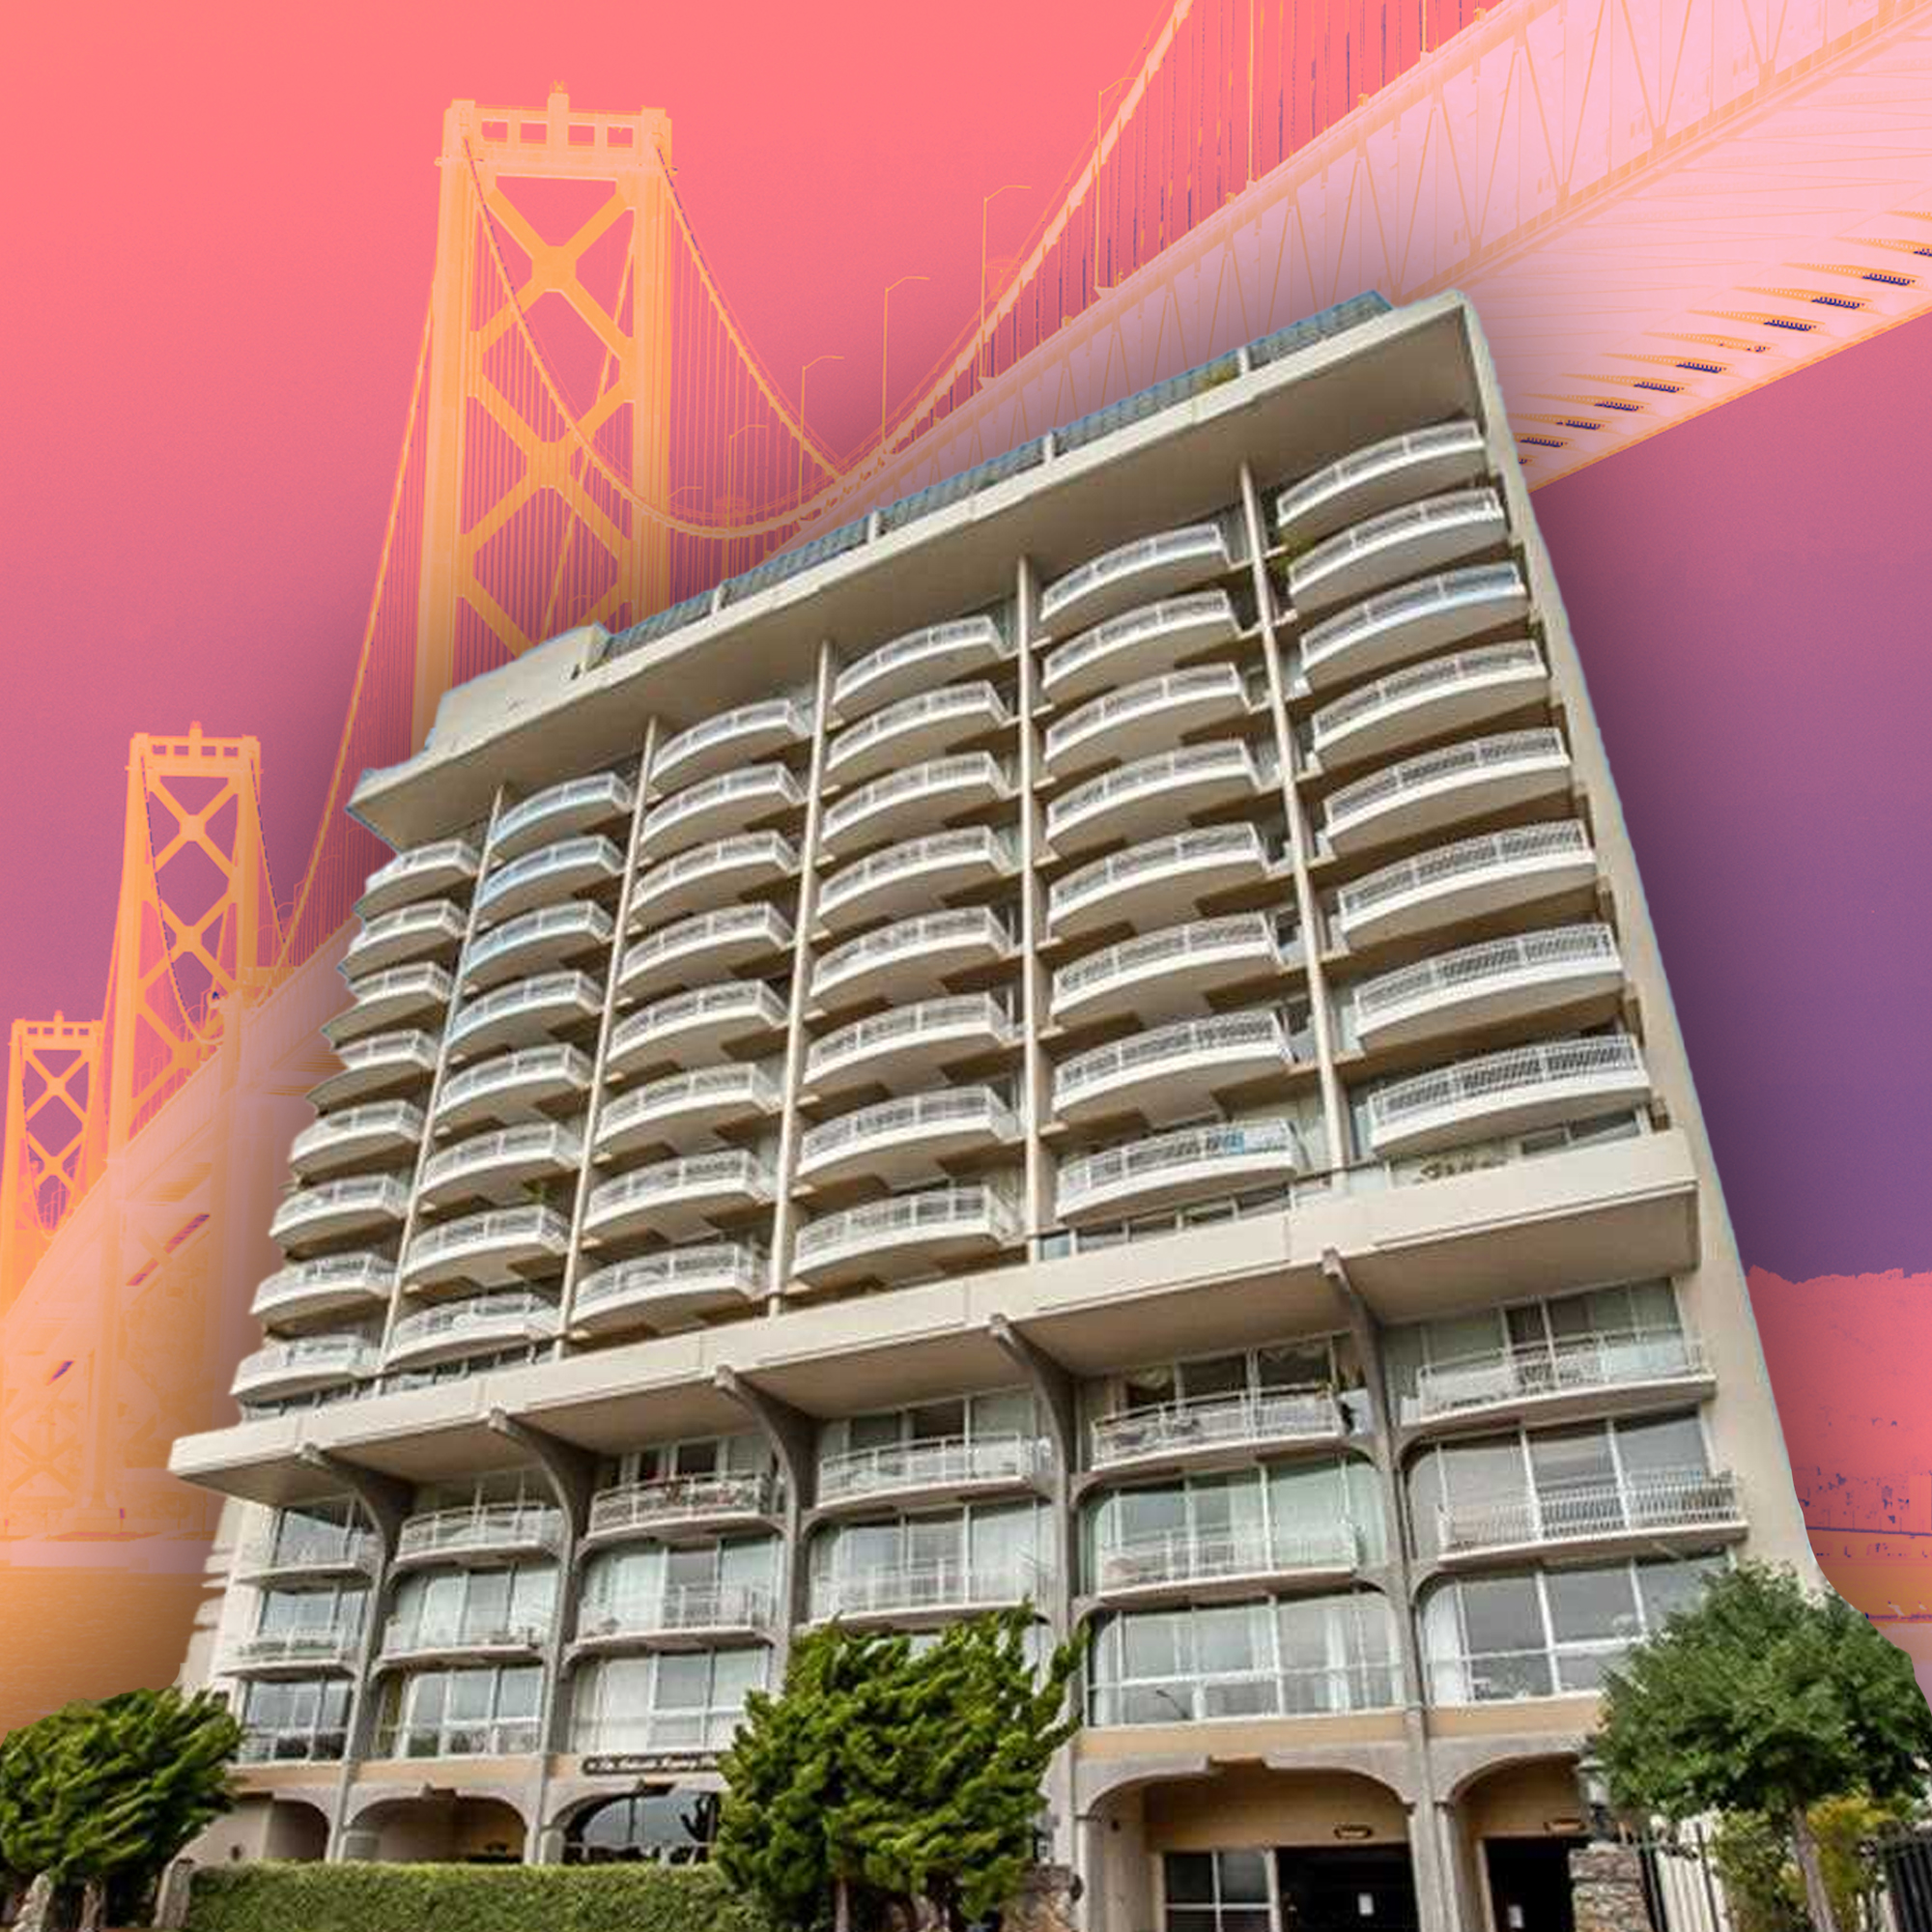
x=1529, y=1884
x=1345, y=1888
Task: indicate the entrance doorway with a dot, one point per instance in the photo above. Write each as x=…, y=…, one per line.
x=1345, y=1888
x=1529, y=1884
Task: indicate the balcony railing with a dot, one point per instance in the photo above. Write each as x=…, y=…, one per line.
x=1244, y=935
x=477, y=1325
x=756, y=789
x=679, y=1501
x=1177, y=855
x=972, y=845
x=1378, y=620
x=960, y=639
x=969, y=772
x=337, y=1205
x=412, y=929
x=1477, y=511
x=335, y=1133
x=1190, y=1045
x=566, y=1069
x=972, y=707
x=905, y=1122
x=675, y=1274
x=550, y=932
x=315, y=1550
x=1521, y=846
x=742, y=1084
x=1094, y=1179
x=945, y=1462
x=964, y=1016
x=416, y=1635
x=1200, y=618
x=695, y=1177
x=588, y=800
x=535, y=1231
x=494, y=1526
x=1381, y=459
x=1222, y=763
x=1470, y=760
x=1205, y=544
x=1554, y=953
x=330, y=1649
x=589, y=861
x=453, y=861
x=748, y=1002
x=1654, y=1499
x=327, y=1280
x=915, y=1589
x=1519, y=662
x=961, y=929
x=710, y=933
x=544, y=1147
x=1473, y=1086
x=928, y=1213
x=1217, y=685
x=308, y=1362
x=747, y=852
x=394, y=993
x=511, y=1737
x=549, y=999
x=676, y=1609
x=663, y=1734
x=1221, y=1555
x=1217, y=1422
x=1502, y=1377
x=774, y=719
x=263, y=1743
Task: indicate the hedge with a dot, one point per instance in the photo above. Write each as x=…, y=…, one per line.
x=355, y=1898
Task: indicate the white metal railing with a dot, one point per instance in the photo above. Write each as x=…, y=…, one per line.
x=542, y=1142
x=1206, y=1555
x=1243, y=932
x=379, y=1194
x=442, y=855
x=1610, y=1056
x=1199, y=611
x=1552, y=948
x=674, y=1609
x=732, y=1171
x=596, y=788
x=331, y=1357
x=720, y=854
x=1413, y=775
x=1138, y=701
x=581, y=918
x=906, y=1119
x=1582, y=1362
x=363, y=1270
x=577, y=991
x=291, y=1744
x=768, y=714
x=528, y=1227
x=1179, y=852
x=1478, y=583
x=1431, y=675
x=406, y=1635
x=386, y=1119
x=941, y=1462
x=1561, y=1513
x=1454, y=438
x=742, y=1081
x=908, y=1589
x=703, y=930
x=481, y=1526
x=568, y=1063
x=968, y=770
x=406, y=1043
x=907, y=1216
x=504, y=1737
x=1209, y=1422
x=995, y=850
x=1194, y=540
x=737, y=999
x=323, y=1648
x=485, y=1320
x=1491, y=851
x=1228, y=758
x=311, y=1548
x=740, y=1266
x=437, y=918
x=952, y=700
x=754, y=780
x=589, y=852
x=680, y=1500
x=933, y=640
x=840, y=963
x=1116, y=1170
x=424, y=982
x=1188, y=1042
x=944, y=1019
x=1433, y=513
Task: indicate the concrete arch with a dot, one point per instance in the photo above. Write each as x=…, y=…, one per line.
x=438, y=1826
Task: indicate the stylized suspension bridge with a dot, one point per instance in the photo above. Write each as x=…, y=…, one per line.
x=1656, y=206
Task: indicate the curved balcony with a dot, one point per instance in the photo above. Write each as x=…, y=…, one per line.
x=1429, y=700
x=932, y=1228
x=1158, y=880
x=1527, y=1086
x=380, y=1000
x=1676, y=1506
x=479, y=1324
x=1217, y=1429
x=378, y=1133
x=915, y=800
x=559, y=812
x=1169, y=1169
x=914, y=729
x=533, y=941
x=499, y=1167
x=1560, y=1380
x=906, y=877
x=921, y=1592
x=305, y=1366
x=1200, y=1565
x=954, y=1467
x=385, y=1062
x=1133, y=801
x=1395, y=470
x=726, y=940
x=298, y=1549
x=412, y=933
x=1172, y=1072
x=716, y=744
x=481, y=1529
x=1154, y=639
x=724, y=870
x=915, y=1040
x=1498, y=978
x=675, y=1508
x=1412, y=620
x=718, y=808
x=1145, y=717
x=1136, y=573
x=561, y=870
x=692, y=1029
x=1141, y=976
x=686, y=1105
x=1494, y=873
x=414, y=1639
x=671, y=1288
x=1399, y=542
x=496, y=1249
x=293, y=1653
x=513, y=1087
x=916, y=660
x=429, y=872
x=356, y=1285
x=1469, y=780
x=525, y=1013
x=678, y=1616
x=898, y=1140
x=673, y=1197
x=912, y=955
x=364, y=1204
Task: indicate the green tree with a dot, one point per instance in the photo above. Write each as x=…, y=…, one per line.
x=96, y=1793
x=885, y=1774
x=1765, y=1698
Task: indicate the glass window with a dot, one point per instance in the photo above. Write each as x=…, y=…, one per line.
x=1502, y=1624
x=1214, y=1375
x=1666, y=1588
x=1591, y=1605
x=1674, y=1442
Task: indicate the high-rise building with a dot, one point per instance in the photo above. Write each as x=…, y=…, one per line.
x=1090, y=1038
